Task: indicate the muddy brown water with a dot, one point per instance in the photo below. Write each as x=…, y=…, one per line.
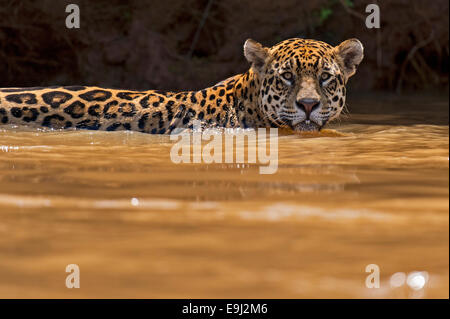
x=140, y=226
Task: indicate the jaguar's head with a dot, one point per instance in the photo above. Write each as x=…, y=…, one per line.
x=302, y=82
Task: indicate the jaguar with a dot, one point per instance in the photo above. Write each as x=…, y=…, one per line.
x=298, y=84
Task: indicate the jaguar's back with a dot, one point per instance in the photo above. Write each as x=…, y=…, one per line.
x=97, y=108
x=86, y=108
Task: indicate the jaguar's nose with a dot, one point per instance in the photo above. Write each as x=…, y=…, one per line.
x=307, y=105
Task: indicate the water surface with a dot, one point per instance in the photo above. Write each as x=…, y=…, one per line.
x=140, y=226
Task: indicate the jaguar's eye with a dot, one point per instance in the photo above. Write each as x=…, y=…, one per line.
x=325, y=76
x=288, y=76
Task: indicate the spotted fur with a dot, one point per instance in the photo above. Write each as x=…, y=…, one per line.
x=297, y=83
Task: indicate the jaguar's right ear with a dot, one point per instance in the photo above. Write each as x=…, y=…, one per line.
x=256, y=54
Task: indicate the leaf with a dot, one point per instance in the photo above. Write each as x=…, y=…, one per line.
x=324, y=14
x=349, y=3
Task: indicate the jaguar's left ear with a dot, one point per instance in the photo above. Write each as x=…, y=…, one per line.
x=350, y=54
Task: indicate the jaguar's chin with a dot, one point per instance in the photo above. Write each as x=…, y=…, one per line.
x=307, y=126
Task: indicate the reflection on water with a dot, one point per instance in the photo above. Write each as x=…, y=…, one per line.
x=140, y=226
